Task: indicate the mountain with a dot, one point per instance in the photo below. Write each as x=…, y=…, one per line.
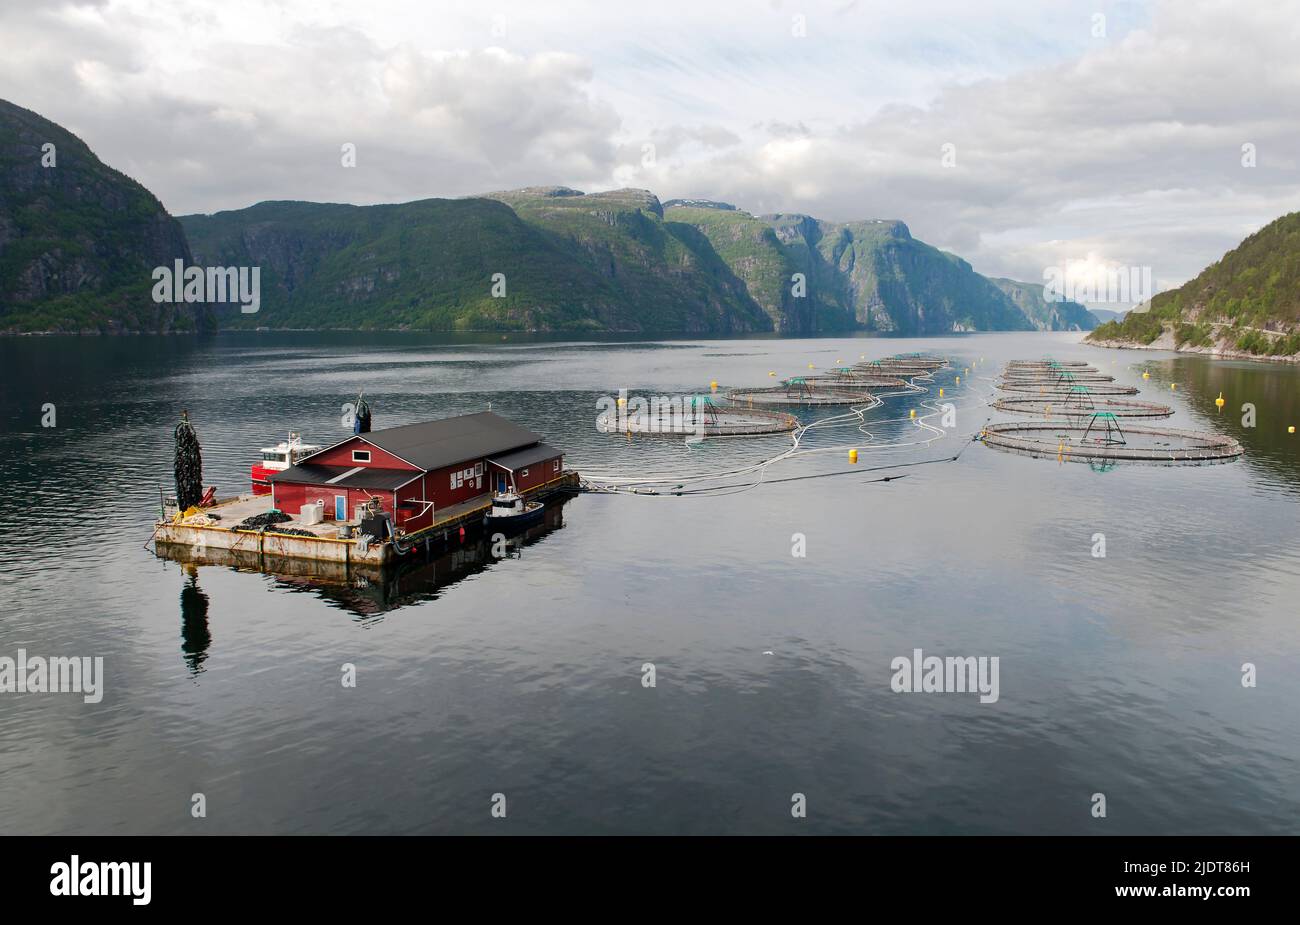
x=1247, y=303
x=1043, y=314
x=79, y=243
x=870, y=275
x=79, y=240
x=667, y=275
x=1105, y=314
x=612, y=261
x=568, y=262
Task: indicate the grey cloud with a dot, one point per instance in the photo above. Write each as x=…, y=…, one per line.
x=1129, y=153
x=1132, y=153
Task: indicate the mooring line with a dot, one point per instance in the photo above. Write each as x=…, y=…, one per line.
x=656, y=485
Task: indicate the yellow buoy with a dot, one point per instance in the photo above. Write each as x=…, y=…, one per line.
x=1219, y=402
x=810, y=366
x=622, y=402
x=714, y=385
x=941, y=393
x=913, y=413
x=853, y=456
x=959, y=380
x=1146, y=375
x=1172, y=386
x=771, y=374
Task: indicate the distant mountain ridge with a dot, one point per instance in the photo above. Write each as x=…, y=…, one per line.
x=1047, y=314
x=526, y=260
x=1247, y=303
x=870, y=275
x=79, y=242
x=610, y=261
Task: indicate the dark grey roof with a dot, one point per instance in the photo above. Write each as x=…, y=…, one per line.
x=435, y=444
x=383, y=479
x=526, y=457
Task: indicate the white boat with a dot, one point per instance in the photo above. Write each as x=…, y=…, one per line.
x=509, y=510
x=278, y=458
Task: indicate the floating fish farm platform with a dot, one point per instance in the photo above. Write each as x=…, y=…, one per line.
x=1080, y=424
x=211, y=534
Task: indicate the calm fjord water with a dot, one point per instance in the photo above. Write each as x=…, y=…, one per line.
x=1119, y=675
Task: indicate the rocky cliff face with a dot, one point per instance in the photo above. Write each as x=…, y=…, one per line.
x=1047, y=315
x=667, y=276
x=79, y=240
x=869, y=275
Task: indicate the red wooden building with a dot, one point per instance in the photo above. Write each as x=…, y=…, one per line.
x=419, y=470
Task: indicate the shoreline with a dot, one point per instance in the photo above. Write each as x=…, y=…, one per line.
x=1165, y=343
x=588, y=332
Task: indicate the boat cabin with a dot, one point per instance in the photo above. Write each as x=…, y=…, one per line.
x=279, y=458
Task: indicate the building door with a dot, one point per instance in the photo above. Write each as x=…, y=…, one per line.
x=340, y=507
x=501, y=483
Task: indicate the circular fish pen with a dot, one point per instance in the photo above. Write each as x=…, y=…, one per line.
x=1046, y=371
x=1062, y=378
x=803, y=392
x=854, y=378
x=902, y=366
x=1102, y=442
x=1081, y=404
x=693, y=415
x=1061, y=390
x=1050, y=364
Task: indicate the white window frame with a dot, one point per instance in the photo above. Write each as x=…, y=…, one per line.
x=361, y=456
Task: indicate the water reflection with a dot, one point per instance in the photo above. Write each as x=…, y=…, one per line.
x=363, y=592
x=1272, y=390
x=195, y=635
x=1117, y=669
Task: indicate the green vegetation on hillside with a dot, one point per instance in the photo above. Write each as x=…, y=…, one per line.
x=570, y=263
x=668, y=276
x=1249, y=300
x=870, y=274
x=79, y=240
x=750, y=248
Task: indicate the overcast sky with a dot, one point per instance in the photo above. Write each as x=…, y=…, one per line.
x=1075, y=140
